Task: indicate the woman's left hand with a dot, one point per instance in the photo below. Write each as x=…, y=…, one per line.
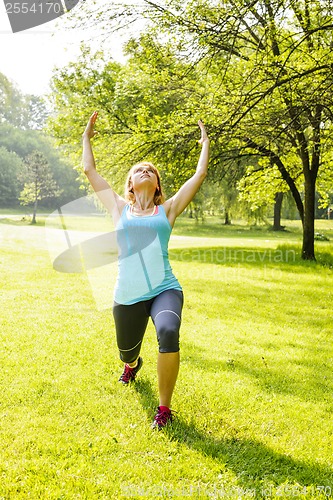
x=204, y=136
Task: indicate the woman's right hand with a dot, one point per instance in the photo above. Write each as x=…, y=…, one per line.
x=89, y=130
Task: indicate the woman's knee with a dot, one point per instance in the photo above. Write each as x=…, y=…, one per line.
x=168, y=339
x=130, y=355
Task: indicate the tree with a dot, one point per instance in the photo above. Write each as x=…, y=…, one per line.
x=37, y=112
x=10, y=166
x=270, y=64
x=282, y=75
x=38, y=182
x=141, y=109
x=12, y=106
x=21, y=111
x=262, y=187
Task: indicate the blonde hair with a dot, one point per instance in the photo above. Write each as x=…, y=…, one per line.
x=129, y=193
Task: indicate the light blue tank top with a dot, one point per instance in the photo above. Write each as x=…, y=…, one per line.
x=144, y=269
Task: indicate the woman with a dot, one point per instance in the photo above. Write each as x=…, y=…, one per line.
x=146, y=286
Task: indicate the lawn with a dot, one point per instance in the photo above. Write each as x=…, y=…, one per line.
x=254, y=396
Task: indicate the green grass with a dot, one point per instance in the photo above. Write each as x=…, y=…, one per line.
x=254, y=396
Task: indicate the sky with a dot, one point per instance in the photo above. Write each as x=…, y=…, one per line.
x=28, y=57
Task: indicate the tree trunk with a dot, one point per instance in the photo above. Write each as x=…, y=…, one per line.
x=308, y=252
x=277, y=212
x=310, y=177
x=34, y=212
x=227, y=221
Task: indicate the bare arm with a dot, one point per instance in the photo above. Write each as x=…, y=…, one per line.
x=111, y=200
x=177, y=204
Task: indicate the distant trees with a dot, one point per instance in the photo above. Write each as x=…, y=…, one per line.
x=22, y=125
x=22, y=111
x=10, y=167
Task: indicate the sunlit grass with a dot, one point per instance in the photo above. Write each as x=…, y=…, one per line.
x=253, y=399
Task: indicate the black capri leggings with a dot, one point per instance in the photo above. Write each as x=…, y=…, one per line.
x=131, y=322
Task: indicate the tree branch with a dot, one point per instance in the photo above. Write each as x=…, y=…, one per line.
x=274, y=158
x=275, y=86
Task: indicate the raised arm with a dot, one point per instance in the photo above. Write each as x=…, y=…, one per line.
x=177, y=204
x=111, y=200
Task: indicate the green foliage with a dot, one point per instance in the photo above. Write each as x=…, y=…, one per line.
x=142, y=112
x=10, y=166
x=12, y=105
x=22, y=111
x=37, y=112
x=267, y=181
x=22, y=142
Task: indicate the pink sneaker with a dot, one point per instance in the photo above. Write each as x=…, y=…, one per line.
x=162, y=417
x=129, y=373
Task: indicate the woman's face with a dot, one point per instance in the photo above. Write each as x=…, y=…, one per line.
x=144, y=175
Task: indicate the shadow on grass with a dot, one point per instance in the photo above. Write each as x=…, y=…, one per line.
x=254, y=463
x=316, y=386
x=284, y=257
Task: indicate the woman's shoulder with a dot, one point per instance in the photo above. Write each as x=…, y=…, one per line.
x=167, y=206
x=168, y=212
x=119, y=210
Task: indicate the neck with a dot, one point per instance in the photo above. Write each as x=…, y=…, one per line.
x=144, y=201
